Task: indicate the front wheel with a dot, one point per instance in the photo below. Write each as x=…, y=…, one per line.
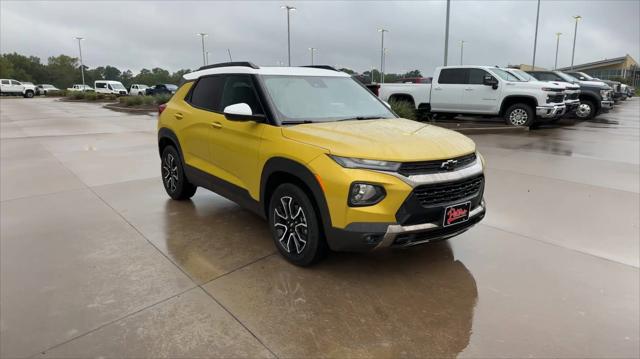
x=519, y=114
x=295, y=226
x=586, y=110
x=173, y=178
x=28, y=94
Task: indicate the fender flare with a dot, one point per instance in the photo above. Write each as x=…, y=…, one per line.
x=170, y=135
x=304, y=174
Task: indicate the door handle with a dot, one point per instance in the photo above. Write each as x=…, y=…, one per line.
x=178, y=116
x=438, y=88
x=216, y=125
x=468, y=89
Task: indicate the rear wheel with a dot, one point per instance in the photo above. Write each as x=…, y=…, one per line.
x=295, y=226
x=173, y=178
x=519, y=114
x=586, y=110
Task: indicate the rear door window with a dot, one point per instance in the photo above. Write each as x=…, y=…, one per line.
x=6, y=82
x=207, y=93
x=452, y=76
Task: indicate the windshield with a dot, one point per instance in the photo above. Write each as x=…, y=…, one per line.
x=322, y=99
x=506, y=75
x=523, y=75
x=566, y=77
x=117, y=86
x=586, y=76
x=171, y=87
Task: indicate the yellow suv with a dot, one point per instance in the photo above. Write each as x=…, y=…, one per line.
x=326, y=162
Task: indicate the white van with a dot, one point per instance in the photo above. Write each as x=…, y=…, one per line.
x=110, y=87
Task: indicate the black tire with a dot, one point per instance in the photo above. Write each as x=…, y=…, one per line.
x=586, y=110
x=294, y=225
x=173, y=178
x=28, y=94
x=519, y=114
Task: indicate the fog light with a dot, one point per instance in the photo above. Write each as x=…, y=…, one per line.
x=365, y=194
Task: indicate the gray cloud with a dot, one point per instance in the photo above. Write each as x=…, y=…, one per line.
x=137, y=34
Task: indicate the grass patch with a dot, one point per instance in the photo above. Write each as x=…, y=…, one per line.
x=404, y=109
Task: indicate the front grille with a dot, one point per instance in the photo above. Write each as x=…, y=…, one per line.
x=555, y=98
x=444, y=193
x=429, y=167
x=573, y=96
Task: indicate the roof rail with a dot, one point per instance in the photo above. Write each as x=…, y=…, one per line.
x=229, y=64
x=324, y=67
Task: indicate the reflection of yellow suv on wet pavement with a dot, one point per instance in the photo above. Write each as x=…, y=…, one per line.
x=318, y=155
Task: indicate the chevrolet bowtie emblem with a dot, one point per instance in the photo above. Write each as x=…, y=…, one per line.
x=449, y=165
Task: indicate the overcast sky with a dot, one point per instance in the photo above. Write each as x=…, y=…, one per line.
x=145, y=34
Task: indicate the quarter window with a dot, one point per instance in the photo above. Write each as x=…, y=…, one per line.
x=207, y=93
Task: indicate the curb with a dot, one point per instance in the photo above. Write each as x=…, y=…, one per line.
x=128, y=109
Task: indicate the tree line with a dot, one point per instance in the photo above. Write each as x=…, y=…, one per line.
x=63, y=71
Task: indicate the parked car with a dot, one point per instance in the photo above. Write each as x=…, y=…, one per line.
x=416, y=80
x=44, y=89
x=110, y=87
x=483, y=91
x=161, y=89
x=323, y=159
x=625, y=90
x=631, y=91
x=17, y=88
x=80, y=87
x=595, y=96
x=571, y=90
x=614, y=85
x=138, y=89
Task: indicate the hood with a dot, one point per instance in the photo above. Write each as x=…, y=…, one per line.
x=594, y=83
x=394, y=139
x=540, y=84
x=567, y=85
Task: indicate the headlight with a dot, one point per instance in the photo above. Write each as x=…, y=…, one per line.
x=365, y=194
x=604, y=93
x=548, y=89
x=349, y=162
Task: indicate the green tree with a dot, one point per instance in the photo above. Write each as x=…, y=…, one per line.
x=63, y=70
x=112, y=73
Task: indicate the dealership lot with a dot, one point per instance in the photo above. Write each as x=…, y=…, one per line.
x=97, y=261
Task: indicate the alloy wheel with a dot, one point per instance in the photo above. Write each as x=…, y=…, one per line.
x=290, y=223
x=518, y=117
x=170, y=172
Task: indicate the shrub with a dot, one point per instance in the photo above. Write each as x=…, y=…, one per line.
x=100, y=96
x=148, y=100
x=90, y=96
x=160, y=99
x=77, y=95
x=404, y=109
x=133, y=101
x=122, y=100
x=110, y=97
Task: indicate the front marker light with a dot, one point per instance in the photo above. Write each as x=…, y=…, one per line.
x=365, y=194
x=350, y=162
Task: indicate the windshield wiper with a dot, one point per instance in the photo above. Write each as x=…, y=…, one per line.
x=360, y=118
x=300, y=122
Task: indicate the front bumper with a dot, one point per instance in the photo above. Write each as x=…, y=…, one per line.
x=607, y=105
x=550, y=111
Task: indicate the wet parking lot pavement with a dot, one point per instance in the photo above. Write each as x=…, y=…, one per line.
x=96, y=261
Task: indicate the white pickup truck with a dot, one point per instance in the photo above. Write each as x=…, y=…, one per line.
x=13, y=87
x=482, y=91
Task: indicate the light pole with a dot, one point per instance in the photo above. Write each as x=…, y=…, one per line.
x=382, y=31
x=535, y=39
x=289, y=9
x=446, y=34
x=575, y=31
x=371, y=72
x=204, y=60
x=384, y=53
x=81, y=62
x=229, y=52
x=312, y=50
x=461, y=50
x=555, y=66
x=207, y=62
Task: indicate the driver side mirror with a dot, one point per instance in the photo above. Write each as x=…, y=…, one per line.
x=241, y=112
x=489, y=80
